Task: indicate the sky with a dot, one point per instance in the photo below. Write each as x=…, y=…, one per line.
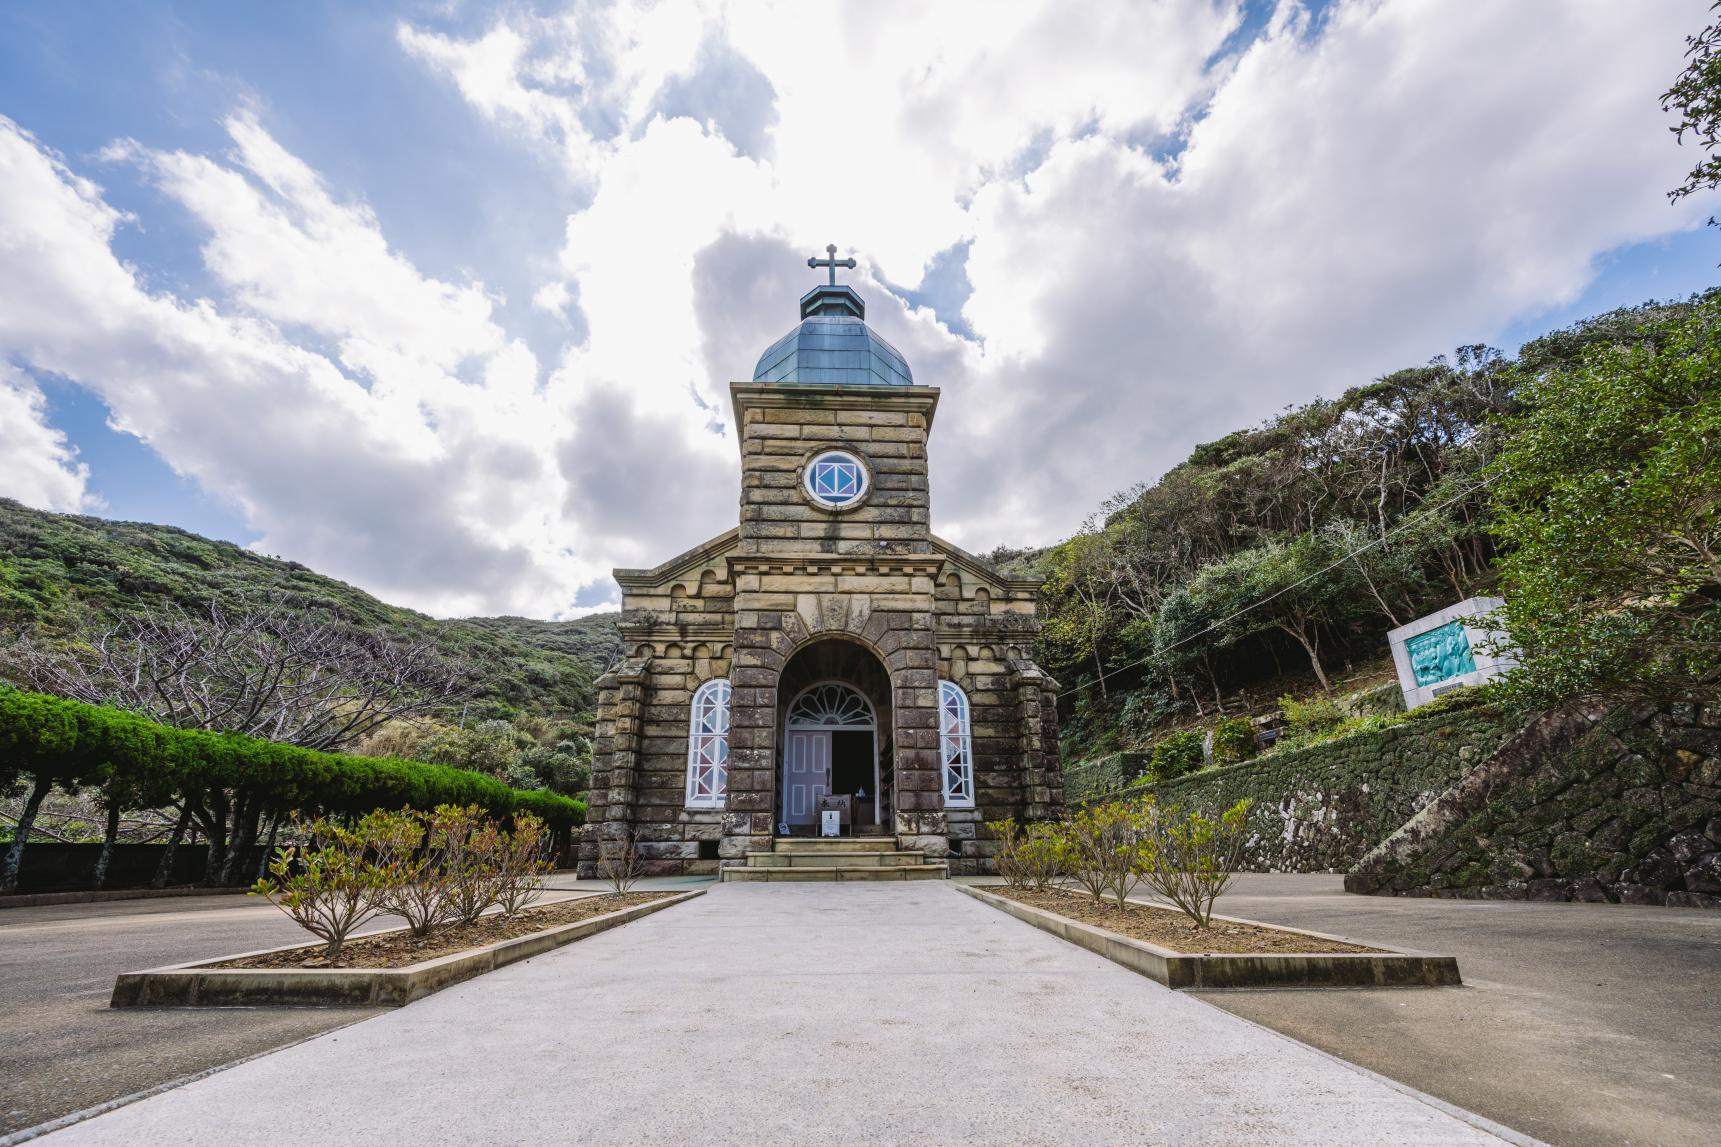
x=443, y=299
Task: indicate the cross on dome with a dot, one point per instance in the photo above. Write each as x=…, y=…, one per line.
x=832, y=262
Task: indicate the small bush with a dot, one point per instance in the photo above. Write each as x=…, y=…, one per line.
x=1311, y=717
x=470, y=845
x=1039, y=856
x=522, y=863
x=618, y=863
x=1175, y=755
x=329, y=883
x=1010, y=840
x=1458, y=700
x=1190, y=859
x=419, y=892
x=1097, y=848
x=1234, y=741
x=1026, y=860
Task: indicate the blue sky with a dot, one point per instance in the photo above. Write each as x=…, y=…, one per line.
x=442, y=298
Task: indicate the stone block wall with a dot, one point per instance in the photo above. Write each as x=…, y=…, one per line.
x=782, y=428
x=1620, y=806
x=796, y=572
x=1320, y=809
x=677, y=628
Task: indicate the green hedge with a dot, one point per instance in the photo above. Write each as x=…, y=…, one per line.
x=75, y=745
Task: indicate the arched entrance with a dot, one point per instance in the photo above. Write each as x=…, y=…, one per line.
x=836, y=738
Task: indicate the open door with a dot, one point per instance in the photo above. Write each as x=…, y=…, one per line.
x=807, y=775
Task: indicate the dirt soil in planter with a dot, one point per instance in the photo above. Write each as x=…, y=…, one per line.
x=400, y=949
x=1170, y=928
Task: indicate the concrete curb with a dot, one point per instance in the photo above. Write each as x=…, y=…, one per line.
x=39, y=899
x=1394, y=968
x=199, y=985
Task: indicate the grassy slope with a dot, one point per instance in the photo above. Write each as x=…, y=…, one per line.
x=49, y=562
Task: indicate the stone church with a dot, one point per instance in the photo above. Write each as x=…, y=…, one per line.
x=828, y=654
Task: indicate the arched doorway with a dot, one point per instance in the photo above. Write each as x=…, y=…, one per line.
x=836, y=738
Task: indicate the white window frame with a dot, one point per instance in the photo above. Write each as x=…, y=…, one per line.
x=848, y=456
x=708, y=743
x=955, y=746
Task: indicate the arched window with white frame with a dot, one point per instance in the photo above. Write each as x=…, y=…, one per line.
x=708, y=746
x=955, y=746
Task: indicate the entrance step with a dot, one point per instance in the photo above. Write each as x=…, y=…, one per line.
x=833, y=844
x=846, y=858
x=831, y=873
x=835, y=858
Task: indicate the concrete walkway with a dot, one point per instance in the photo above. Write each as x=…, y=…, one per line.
x=765, y=1014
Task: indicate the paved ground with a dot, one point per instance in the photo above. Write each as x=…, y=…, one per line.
x=762, y=1014
x=63, y=1049
x=1578, y=1024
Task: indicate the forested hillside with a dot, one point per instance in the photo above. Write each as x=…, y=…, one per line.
x=61, y=572
x=1278, y=556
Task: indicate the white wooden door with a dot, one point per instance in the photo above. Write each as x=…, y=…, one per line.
x=807, y=764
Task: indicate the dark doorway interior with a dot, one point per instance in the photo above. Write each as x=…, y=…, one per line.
x=852, y=771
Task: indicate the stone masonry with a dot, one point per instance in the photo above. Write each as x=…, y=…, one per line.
x=796, y=573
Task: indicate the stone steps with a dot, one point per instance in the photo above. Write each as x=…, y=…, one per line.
x=833, y=874
x=834, y=859
x=833, y=844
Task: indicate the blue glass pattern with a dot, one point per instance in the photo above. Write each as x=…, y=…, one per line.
x=1440, y=654
x=836, y=479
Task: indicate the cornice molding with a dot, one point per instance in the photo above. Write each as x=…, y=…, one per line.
x=745, y=396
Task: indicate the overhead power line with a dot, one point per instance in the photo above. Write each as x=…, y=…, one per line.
x=1282, y=590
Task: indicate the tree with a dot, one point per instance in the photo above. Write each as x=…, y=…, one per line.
x=261, y=669
x=1297, y=588
x=265, y=670
x=1608, y=502
x=1696, y=97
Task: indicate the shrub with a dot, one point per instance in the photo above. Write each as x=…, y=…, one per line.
x=1038, y=855
x=1190, y=859
x=1234, y=741
x=1311, y=717
x=1009, y=861
x=470, y=847
x=522, y=862
x=419, y=892
x=1096, y=847
x=1175, y=755
x=330, y=884
x=618, y=863
x=1458, y=700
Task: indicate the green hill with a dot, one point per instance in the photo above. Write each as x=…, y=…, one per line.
x=53, y=564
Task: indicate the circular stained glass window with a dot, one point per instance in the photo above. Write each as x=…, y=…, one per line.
x=836, y=478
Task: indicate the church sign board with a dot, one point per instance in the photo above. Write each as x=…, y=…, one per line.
x=1448, y=649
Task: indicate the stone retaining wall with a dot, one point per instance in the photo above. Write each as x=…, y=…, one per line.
x=1322, y=808
x=1623, y=806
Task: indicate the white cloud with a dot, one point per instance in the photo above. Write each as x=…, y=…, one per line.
x=1334, y=200
x=37, y=465
x=392, y=472
x=1170, y=231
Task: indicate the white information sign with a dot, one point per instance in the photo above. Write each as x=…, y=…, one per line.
x=830, y=822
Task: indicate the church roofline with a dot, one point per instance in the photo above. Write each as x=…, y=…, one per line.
x=680, y=563
x=980, y=569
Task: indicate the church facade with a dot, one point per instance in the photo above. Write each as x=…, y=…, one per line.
x=830, y=651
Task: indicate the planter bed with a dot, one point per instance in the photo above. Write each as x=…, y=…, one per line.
x=1232, y=953
x=384, y=969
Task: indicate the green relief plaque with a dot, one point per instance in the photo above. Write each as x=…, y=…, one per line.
x=1440, y=654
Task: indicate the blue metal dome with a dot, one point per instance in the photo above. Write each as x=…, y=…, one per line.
x=833, y=345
